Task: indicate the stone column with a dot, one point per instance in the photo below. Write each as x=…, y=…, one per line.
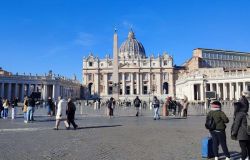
x=16, y=90
x=218, y=90
x=224, y=91
x=28, y=89
x=97, y=83
x=237, y=94
x=105, y=79
x=141, y=84
x=159, y=84
x=2, y=90
x=9, y=91
x=149, y=82
x=45, y=92
x=123, y=84
x=202, y=91
x=22, y=91
x=54, y=92
x=231, y=91
x=138, y=83
x=244, y=86
x=132, y=84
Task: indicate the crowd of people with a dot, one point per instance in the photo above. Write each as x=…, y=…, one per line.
x=64, y=110
x=5, y=105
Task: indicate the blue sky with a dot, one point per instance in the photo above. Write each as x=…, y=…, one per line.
x=39, y=35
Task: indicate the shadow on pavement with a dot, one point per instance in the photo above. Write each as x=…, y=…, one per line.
x=107, y=126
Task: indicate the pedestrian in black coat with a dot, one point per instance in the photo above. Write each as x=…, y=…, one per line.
x=71, y=108
x=239, y=127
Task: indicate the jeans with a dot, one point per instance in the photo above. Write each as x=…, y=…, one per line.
x=29, y=113
x=156, y=115
x=25, y=116
x=33, y=110
x=5, y=112
x=245, y=148
x=219, y=137
x=137, y=111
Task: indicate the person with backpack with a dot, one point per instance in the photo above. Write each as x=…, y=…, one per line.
x=156, y=105
x=137, y=104
x=241, y=127
x=215, y=123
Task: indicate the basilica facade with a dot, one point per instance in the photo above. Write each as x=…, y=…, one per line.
x=129, y=73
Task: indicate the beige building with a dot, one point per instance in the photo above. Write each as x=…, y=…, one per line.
x=224, y=72
x=129, y=73
x=50, y=85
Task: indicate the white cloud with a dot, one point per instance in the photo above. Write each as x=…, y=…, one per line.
x=85, y=39
x=126, y=24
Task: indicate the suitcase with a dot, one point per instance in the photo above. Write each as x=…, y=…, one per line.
x=207, y=147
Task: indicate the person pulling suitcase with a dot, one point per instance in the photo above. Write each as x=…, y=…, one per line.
x=215, y=123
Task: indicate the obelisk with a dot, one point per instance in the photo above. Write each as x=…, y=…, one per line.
x=115, y=76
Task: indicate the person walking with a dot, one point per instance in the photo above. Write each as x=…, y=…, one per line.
x=25, y=108
x=31, y=104
x=1, y=108
x=111, y=106
x=71, y=108
x=50, y=106
x=61, y=113
x=14, y=107
x=6, y=106
x=156, y=105
x=239, y=127
x=137, y=104
x=184, y=104
x=165, y=107
x=218, y=133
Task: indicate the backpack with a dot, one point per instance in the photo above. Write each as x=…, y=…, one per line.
x=137, y=102
x=248, y=124
x=110, y=104
x=210, y=123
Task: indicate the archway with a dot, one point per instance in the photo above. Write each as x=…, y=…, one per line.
x=90, y=88
x=165, y=87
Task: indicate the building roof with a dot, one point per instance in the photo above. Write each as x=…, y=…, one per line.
x=132, y=48
x=220, y=50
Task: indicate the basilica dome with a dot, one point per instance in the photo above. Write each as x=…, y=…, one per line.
x=131, y=48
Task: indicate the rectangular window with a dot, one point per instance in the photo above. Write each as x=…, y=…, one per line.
x=135, y=91
x=165, y=63
x=90, y=64
x=109, y=76
x=89, y=77
x=127, y=77
x=110, y=90
x=144, y=76
x=127, y=90
x=145, y=89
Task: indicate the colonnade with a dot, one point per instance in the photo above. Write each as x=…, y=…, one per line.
x=223, y=90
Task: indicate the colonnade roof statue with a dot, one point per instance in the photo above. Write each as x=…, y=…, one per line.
x=131, y=48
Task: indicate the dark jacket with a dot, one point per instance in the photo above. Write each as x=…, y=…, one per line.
x=244, y=102
x=156, y=103
x=71, y=110
x=31, y=102
x=137, y=102
x=220, y=119
x=239, y=127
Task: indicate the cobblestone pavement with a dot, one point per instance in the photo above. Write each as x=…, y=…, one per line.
x=100, y=138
